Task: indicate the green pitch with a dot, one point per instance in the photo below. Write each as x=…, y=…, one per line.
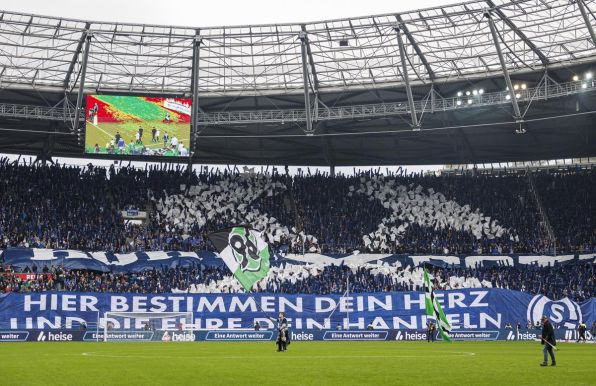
x=306, y=363
x=102, y=135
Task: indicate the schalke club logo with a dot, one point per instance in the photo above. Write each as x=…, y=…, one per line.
x=565, y=312
x=245, y=247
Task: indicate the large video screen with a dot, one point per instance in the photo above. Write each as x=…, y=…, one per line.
x=132, y=125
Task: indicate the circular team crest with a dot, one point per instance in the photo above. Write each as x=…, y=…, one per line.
x=247, y=248
x=563, y=311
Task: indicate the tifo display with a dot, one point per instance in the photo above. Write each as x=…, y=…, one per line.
x=131, y=125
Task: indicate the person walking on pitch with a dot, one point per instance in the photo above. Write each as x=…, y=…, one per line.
x=282, y=332
x=548, y=341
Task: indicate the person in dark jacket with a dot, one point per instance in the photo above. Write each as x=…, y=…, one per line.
x=431, y=331
x=548, y=341
x=582, y=331
x=283, y=338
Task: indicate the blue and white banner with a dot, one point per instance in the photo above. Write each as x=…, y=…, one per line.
x=458, y=261
x=105, y=261
x=469, y=309
x=138, y=261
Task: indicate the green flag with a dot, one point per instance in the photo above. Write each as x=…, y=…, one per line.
x=245, y=253
x=433, y=308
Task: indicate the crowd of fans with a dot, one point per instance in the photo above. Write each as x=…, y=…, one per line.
x=67, y=207
x=577, y=281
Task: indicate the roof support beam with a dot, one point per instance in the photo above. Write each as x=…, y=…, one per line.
x=194, y=84
x=585, y=16
x=313, y=69
x=495, y=36
x=402, y=56
x=75, y=57
x=518, y=32
x=303, y=49
x=429, y=70
x=82, y=81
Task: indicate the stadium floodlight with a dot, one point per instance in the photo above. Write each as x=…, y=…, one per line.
x=507, y=96
x=516, y=86
x=116, y=325
x=524, y=86
x=517, y=96
x=467, y=93
x=459, y=93
x=458, y=102
x=589, y=75
x=481, y=91
x=575, y=78
x=469, y=101
x=475, y=92
x=584, y=85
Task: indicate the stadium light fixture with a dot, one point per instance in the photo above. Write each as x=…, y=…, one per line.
x=467, y=93
x=459, y=93
x=524, y=86
x=507, y=96
x=589, y=75
x=517, y=96
x=584, y=85
x=458, y=102
x=575, y=78
x=469, y=101
x=481, y=91
x=475, y=92
x=516, y=86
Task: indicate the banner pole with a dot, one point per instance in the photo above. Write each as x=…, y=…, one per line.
x=97, y=328
x=347, y=295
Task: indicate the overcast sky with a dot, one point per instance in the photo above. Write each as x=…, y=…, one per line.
x=203, y=13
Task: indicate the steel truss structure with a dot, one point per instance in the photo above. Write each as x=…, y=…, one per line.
x=439, y=44
x=333, y=76
x=546, y=89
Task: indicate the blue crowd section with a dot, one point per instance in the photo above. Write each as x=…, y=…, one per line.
x=79, y=208
x=573, y=278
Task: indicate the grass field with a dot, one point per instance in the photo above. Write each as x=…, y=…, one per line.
x=105, y=132
x=305, y=363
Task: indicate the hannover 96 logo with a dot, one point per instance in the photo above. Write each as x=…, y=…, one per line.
x=245, y=248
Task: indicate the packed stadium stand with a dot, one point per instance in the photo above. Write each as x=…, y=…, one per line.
x=490, y=213
x=477, y=212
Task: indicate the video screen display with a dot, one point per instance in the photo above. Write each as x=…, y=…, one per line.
x=132, y=125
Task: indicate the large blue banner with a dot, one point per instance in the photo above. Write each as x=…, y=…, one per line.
x=469, y=309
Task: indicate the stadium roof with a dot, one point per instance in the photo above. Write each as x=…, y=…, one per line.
x=443, y=43
x=369, y=90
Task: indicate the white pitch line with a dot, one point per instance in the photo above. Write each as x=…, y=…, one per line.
x=100, y=355
x=102, y=130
